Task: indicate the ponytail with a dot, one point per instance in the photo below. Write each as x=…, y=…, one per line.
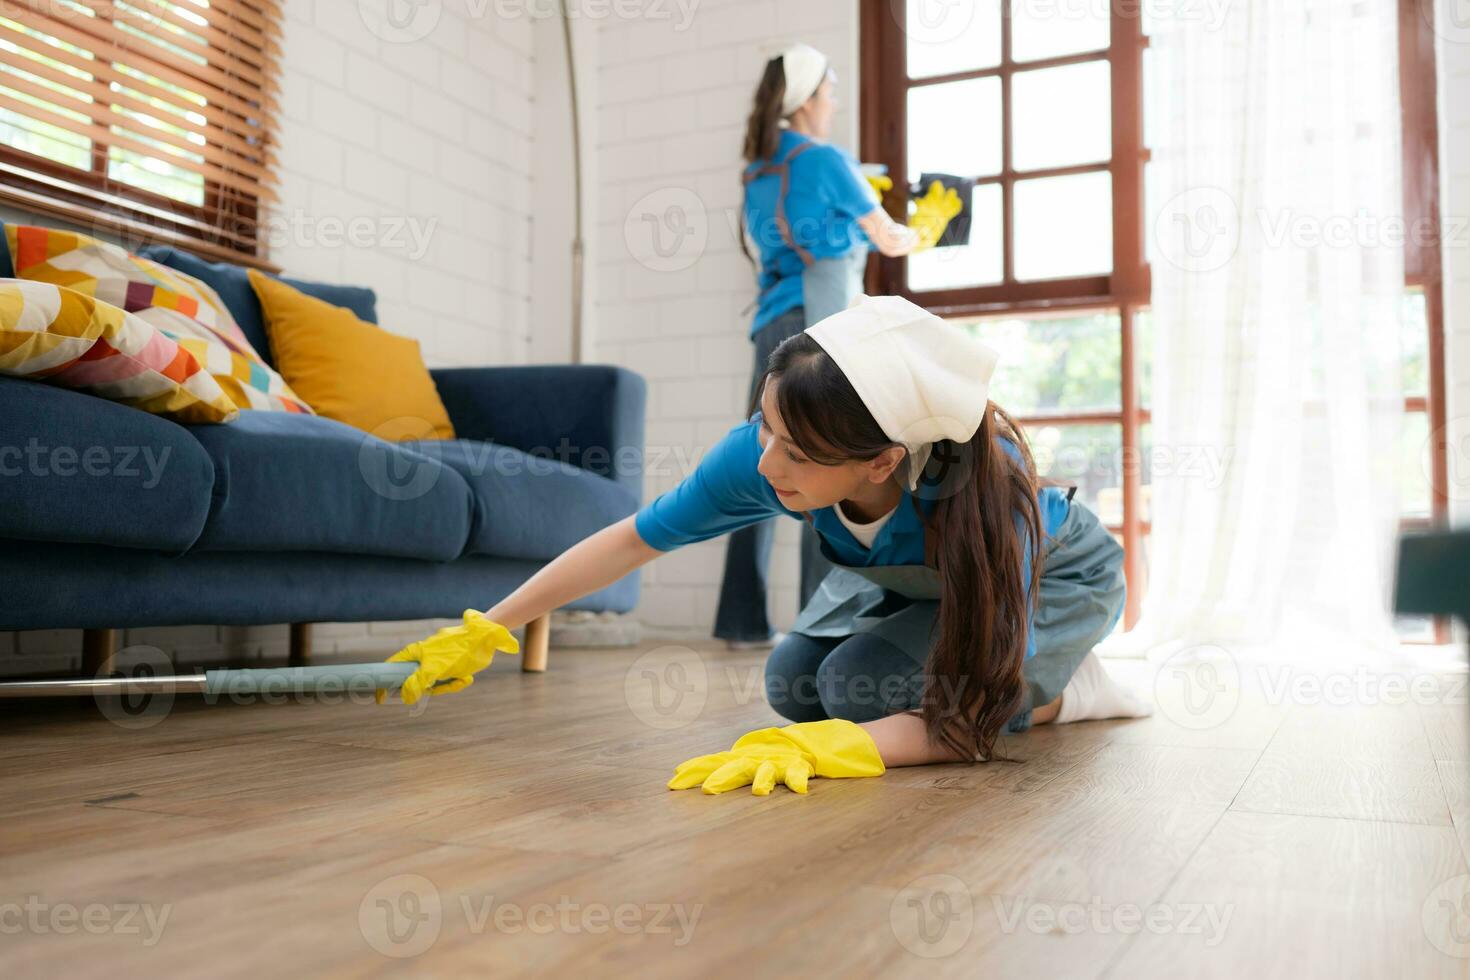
x=763, y=128
x=984, y=530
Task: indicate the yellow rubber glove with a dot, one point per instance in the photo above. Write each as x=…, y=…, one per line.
x=881, y=184
x=932, y=213
x=833, y=748
x=449, y=660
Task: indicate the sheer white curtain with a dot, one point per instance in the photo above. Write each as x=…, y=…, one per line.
x=1276, y=213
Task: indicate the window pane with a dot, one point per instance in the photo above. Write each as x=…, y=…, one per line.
x=163, y=31
x=153, y=174
x=945, y=37
x=1415, y=344
x=1146, y=471
x=1054, y=364
x=1153, y=18
x=33, y=135
x=1050, y=28
x=1415, y=466
x=1062, y=116
x=1414, y=629
x=955, y=128
x=980, y=263
x=1151, y=105
x=1064, y=226
x=157, y=173
x=1151, y=204
x=1143, y=356
x=1085, y=455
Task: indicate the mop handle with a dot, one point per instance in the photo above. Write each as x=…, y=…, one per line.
x=309, y=680
x=333, y=678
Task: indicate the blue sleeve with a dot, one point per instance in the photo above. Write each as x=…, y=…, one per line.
x=724, y=493
x=843, y=185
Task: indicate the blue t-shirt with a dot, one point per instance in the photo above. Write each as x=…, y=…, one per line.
x=826, y=195
x=726, y=492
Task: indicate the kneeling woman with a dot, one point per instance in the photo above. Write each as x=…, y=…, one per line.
x=936, y=630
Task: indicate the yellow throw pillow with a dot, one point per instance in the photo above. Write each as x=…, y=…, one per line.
x=349, y=370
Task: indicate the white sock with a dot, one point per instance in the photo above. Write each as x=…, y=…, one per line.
x=1092, y=694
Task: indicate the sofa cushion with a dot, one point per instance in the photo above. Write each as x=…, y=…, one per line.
x=232, y=283
x=527, y=506
x=306, y=483
x=127, y=588
x=76, y=468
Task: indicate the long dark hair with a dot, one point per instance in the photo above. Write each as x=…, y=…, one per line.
x=763, y=128
x=973, y=677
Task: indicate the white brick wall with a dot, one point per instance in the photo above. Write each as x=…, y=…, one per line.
x=670, y=118
x=433, y=134
x=1454, y=134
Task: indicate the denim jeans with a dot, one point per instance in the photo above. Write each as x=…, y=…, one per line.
x=742, y=610
x=859, y=678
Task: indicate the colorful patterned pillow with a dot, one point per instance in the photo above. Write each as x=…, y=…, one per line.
x=51, y=333
x=180, y=306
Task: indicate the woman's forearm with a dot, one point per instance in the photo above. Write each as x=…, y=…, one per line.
x=891, y=238
x=903, y=741
x=591, y=564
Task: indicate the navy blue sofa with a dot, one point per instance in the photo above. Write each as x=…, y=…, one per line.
x=110, y=517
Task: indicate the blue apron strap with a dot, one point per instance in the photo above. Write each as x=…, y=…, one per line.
x=781, y=167
x=781, y=222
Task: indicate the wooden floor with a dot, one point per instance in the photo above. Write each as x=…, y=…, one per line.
x=522, y=828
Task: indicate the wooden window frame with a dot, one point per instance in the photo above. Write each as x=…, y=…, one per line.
x=1128, y=288
x=1423, y=254
x=884, y=124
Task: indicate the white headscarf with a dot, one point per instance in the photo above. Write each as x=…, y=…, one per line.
x=921, y=378
x=805, y=67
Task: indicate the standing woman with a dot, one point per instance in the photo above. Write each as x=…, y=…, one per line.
x=813, y=218
x=966, y=601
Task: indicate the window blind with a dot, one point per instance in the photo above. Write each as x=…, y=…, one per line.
x=152, y=118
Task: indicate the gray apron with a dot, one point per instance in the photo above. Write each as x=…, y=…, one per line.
x=1079, y=602
x=829, y=285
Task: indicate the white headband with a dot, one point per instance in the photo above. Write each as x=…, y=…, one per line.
x=805, y=67
x=922, y=379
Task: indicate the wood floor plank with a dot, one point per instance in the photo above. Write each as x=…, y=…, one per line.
x=1447, y=726
x=1303, y=896
x=1362, y=762
x=1219, y=703
x=1455, y=778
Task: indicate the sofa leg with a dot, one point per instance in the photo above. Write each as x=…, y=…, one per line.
x=538, y=638
x=98, y=648
x=300, y=644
